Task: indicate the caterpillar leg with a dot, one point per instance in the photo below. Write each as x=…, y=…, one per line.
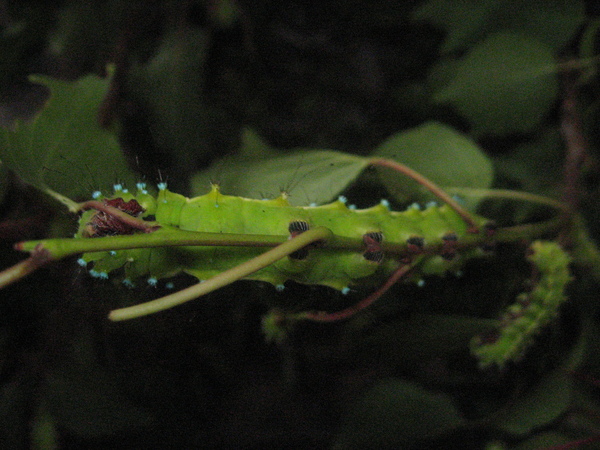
x=224, y=278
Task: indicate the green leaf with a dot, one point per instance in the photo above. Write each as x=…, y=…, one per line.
x=463, y=21
x=540, y=405
x=440, y=153
x=521, y=167
x=309, y=176
x=468, y=21
x=64, y=149
x=505, y=84
x=395, y=412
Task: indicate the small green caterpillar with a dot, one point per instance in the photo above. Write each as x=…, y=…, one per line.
x=533, y=310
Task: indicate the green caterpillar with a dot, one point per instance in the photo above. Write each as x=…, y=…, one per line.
x=387, y=238
x=533, y=310
x=219, y=239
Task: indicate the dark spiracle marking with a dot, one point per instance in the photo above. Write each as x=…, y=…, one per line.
x=295, y=228
x=104, y=224
x=298, y=226
x=373, y=252
x=415, y=244
x=448, y=250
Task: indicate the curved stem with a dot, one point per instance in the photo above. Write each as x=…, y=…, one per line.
x=20, y=270
x=224, y=278
x=134, y=222
x=510, y=195
x=431, y=187
x=321, y=316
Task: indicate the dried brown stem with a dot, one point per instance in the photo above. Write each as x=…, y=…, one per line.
x=134, y=222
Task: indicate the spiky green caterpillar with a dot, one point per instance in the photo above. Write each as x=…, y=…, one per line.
x=221, y=239
x=533, y=310
x=387, y=237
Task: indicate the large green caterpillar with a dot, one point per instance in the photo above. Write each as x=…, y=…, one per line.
x=219, y=238
x=386, y=236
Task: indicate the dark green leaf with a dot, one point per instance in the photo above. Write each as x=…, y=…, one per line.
x=466, y=22
x=442, y=154
x=505, y=84
x=394, y=413
x=315, y=176
x=64, y=149
x=540, y=405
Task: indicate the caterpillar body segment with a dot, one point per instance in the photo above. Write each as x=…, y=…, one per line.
x=385, y=239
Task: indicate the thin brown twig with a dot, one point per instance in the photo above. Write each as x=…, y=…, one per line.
x=431, y=187
x=134, y=222
x=320, y=316
x=39, y=257
x=576, y=144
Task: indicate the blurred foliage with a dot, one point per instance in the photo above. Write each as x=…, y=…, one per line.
x=264, y=96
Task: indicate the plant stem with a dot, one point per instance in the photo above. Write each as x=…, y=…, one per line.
x=322, y=316
x=431, y=187
x=224, y=278
x=134, y=222
x=168, y=237
x=20, y=270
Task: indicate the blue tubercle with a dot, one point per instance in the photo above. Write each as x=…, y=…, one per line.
x=385, y=203
x=415, y=206
x=96, y=195
x=112, y=253
x=345, y=291
x=170, y=285
x=101, y=275
x=431, y=205
x=162, y=186
x=118, y=187
x=421, y=282
x=142, y=187
x=82, y=262
x=128, y=283
x=313, y=205
x=342, y=199
x=352, y=207
x=280, y=287
x=152, y=281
